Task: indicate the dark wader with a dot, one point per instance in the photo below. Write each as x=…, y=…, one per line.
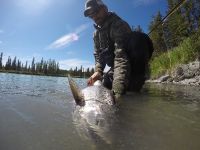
x=137, y=77
x=107, y=57
x=140, y=49
x=108, y=79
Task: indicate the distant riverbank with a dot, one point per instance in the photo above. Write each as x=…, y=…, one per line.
x=29, y=73
x=39, y=74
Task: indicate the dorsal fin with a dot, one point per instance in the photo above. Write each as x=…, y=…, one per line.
x=78, y=95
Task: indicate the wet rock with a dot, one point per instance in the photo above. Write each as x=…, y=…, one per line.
x=179, y=71
x=187, y=74
x=170, y=79
x=164, y=78
x=189, y=81
x=176, y=79
x=197, y=73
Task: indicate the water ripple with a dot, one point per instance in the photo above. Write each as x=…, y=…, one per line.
x=32, y=85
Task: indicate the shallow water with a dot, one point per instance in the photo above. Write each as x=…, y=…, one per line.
x=36, y=114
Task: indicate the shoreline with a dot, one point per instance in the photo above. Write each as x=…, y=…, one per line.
x=36, y=74
x=185, y=74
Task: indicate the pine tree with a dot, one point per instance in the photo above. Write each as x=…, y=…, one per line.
x=14, y=63
x=41, y=66
x=80, y=71
x=92, y=71
x=8, y=64
x=33, y=65
x=1, y=59
x=45, y=68
x=29, y=68
x=19, y=65
x=192, y=15
x=37, y=70
x=138, y=29
x=26, y=66
x=157, y=35
x=57, y=68
x=176, y=24
x=88, y=72
x=76, y=71
x=197, y=12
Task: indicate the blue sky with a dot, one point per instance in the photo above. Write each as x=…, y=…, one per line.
x=57, y=29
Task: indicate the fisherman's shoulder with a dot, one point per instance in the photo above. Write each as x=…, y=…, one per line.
x=117, y=21
x=119, y=26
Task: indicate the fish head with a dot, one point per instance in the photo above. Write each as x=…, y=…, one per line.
x=97, y=93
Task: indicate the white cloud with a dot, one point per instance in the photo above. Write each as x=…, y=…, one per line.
x=64, y=41
x=73, y=63
x=68, y=38
x=82, y=28
x=137, y=3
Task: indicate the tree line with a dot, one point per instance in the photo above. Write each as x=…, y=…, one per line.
x=81, y=72
x=183, y=23
x=50, y=67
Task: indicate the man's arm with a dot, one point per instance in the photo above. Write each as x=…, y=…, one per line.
x=120, y=31
x=99, y=67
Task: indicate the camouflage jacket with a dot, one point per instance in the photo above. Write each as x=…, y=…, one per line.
x=109, y=48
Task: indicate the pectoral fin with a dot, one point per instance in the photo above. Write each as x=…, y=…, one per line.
x=78, y=95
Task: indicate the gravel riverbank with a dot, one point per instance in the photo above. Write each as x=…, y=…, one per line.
x=186, y=74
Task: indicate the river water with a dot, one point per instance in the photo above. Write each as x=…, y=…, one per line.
x=36, y=114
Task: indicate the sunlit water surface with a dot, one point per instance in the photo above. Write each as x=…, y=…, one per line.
x=36, y=114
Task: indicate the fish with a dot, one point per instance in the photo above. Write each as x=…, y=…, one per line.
x=95, y=110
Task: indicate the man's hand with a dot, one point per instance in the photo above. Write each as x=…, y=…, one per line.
x=96, y=76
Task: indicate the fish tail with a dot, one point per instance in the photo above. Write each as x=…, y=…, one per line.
x=76, y=92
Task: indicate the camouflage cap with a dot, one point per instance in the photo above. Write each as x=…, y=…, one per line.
x=92, y=6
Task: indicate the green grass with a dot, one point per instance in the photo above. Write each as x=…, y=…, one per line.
x=186, y=52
